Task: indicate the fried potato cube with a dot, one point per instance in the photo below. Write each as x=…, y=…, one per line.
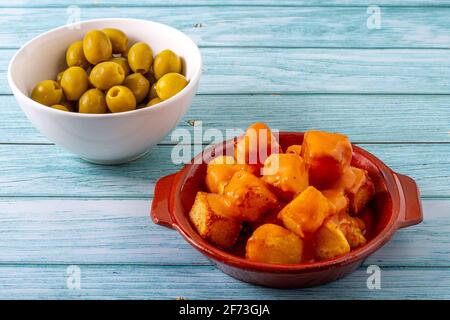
x=286, y=173
x=329, y=241
x=250, y=195
x=295, y=149
x=255, y=146
x=306, y=213
x=274, y=244
x=353, y=229
x=327, y=155
x=212, y=216
x=219, y=172
x=360, y=191
x=338, y=199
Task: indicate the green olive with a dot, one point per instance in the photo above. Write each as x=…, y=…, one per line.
x=74, y=83
x=60, y=107
x=96, y=46
x=47, y=92
x=152, y=92
x=153, y=101
x=118, y=38
x=120, y=99
x=166, y=61
x=75, y=55
x=138, y=84
x=106, y=75
x=170, y=84
x=93, y=101
x=140, y=57
x=123, y=63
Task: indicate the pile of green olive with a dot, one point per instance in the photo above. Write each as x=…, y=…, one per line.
x=105, y=75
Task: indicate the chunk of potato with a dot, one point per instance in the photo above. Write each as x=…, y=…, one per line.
x=219, y=172
x=274, y=244
x=295, y=149
x=353, y=229
x=359, y=190
x=250, y=195
x=286, y=173
x=327, y=156
x=212, y=216
x=338, y=199
x=329, y=241
x=306, y=213
x=255, y=146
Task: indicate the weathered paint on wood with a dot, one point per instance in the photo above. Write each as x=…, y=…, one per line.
x=403, y=118
x=219, y=3
x=259, y=70
x=274, y=26
x=107, y=231
x=205, y=282
x=57, y=210
x=47, y=170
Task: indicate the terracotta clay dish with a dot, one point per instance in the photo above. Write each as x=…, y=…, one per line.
x=396, y=204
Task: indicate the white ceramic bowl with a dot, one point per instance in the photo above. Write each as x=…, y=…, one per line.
x=103, y=138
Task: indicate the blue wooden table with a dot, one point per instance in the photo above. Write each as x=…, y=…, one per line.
x=296, y=65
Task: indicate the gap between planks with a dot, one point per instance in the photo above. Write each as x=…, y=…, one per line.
x=296, y=48
x=207, y=144
x=167, y=266
x=306, y=93
x=135, y=197
x=221, y=5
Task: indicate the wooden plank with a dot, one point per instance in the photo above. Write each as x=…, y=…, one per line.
x=88, y=231
x=326, y=71
x=403, y=118
x=35, y=170
x=39, y=237
x=273, y=26
x=205, y=282
x=106, y=231
x=78, y=177
x=219, y=3
x=259, y=70
x=431, y=175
